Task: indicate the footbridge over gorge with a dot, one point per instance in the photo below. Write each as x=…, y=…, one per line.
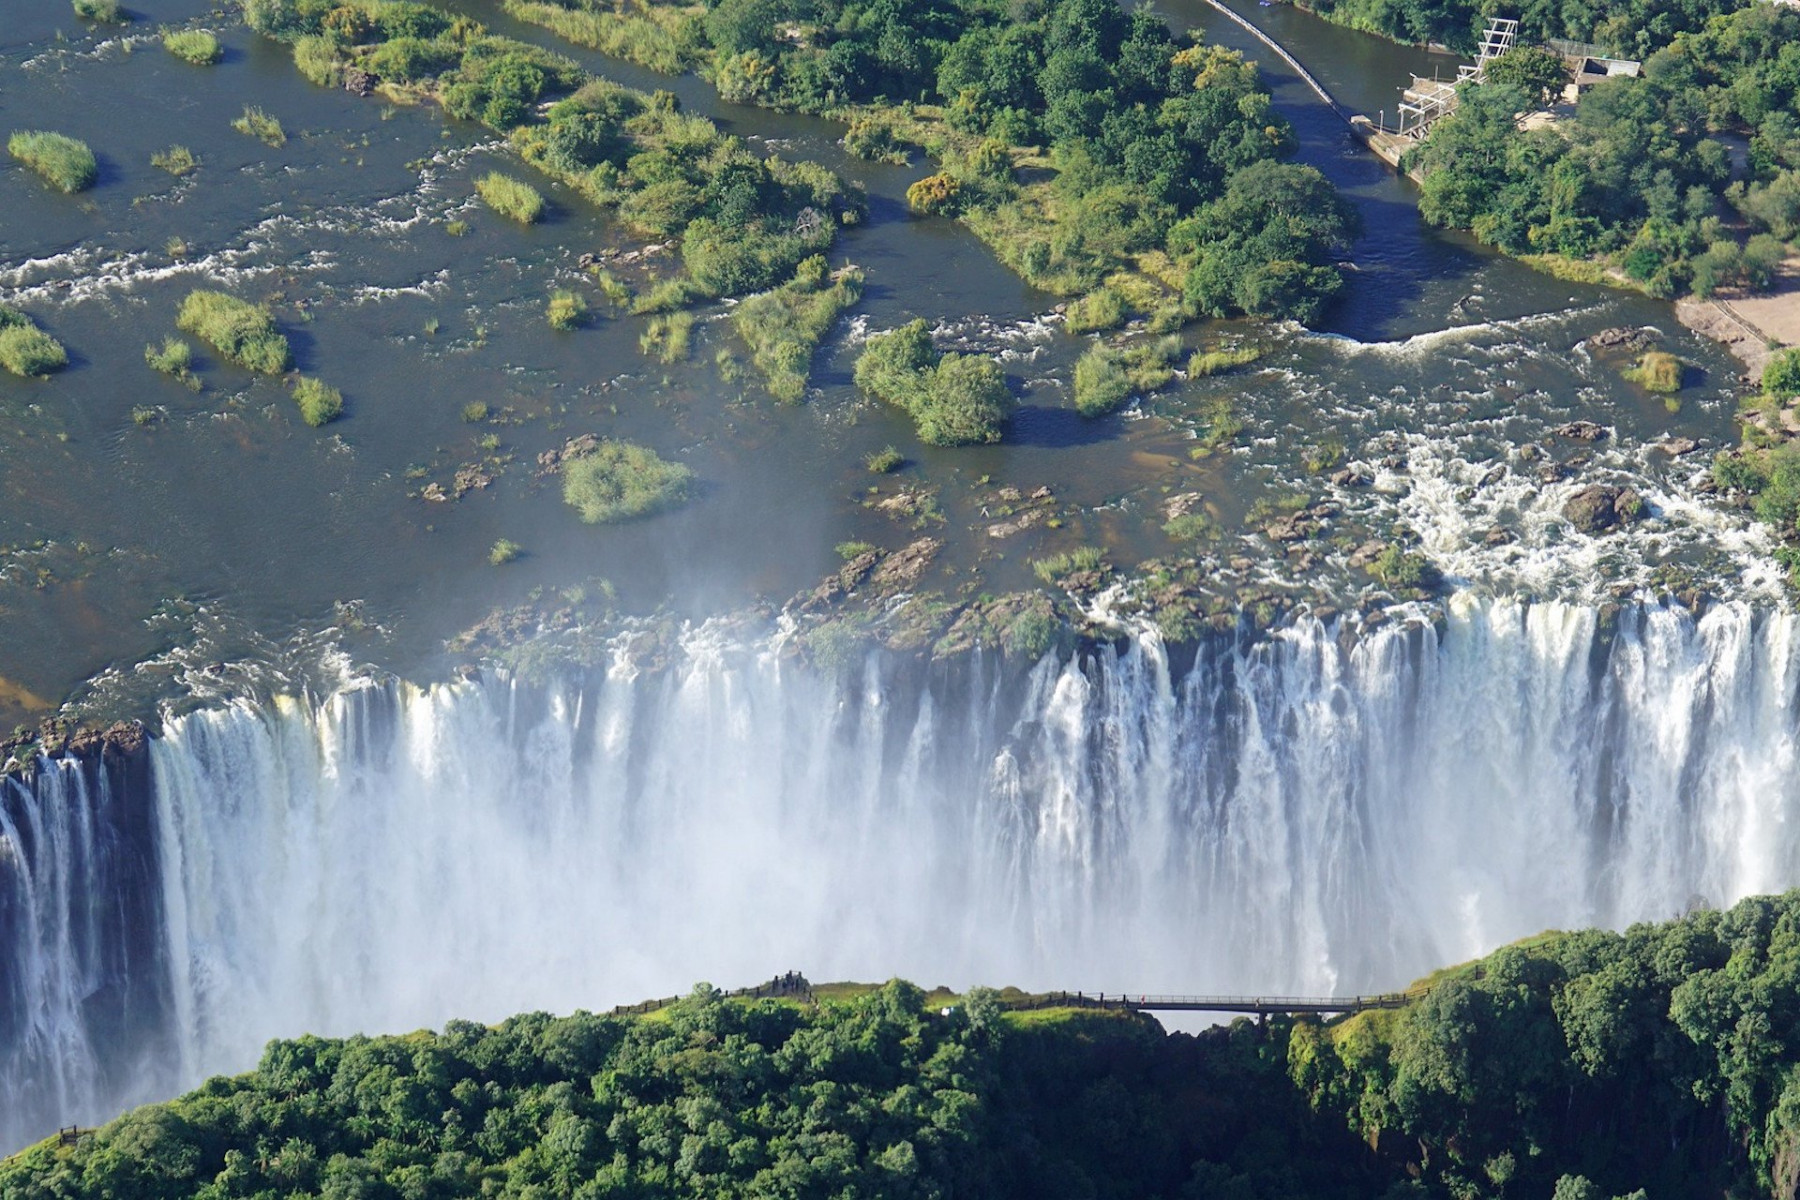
x=793, y=986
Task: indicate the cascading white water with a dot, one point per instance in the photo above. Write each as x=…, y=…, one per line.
x=1315, y=811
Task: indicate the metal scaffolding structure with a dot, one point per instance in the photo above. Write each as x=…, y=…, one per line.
x=1427, y=101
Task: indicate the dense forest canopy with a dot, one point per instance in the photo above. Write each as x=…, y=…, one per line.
x=1642, y=176
x=1659, y=1062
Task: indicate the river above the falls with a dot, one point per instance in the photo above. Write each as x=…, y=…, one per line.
x=141, y=520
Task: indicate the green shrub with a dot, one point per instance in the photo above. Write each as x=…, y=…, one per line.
x=319, y=402
x=621, y=480
x=241, y=331
x=503, y=552
x=64, y=163
x=884, y=461
x=566, y=310
x=196, y=46
x=1101, y=384
x=107, y=11
x=954, y=399
x=510, y=197
x=853, y=550
x=1190, y=527
x=475, y=411
x=176, y=160
x=258, y=124
x=1399, y=568
x=784, y=326
x=1781, y=377
x=27, y=350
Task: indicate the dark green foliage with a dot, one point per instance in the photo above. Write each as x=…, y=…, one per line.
x=1634, y=178
x=1537, y=73
x=1265, y=247
x=955, y=399
x=1142, y=128
x=1656, y=1062
x=1781, y=377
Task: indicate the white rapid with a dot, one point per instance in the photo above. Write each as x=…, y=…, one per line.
x=1314, y=811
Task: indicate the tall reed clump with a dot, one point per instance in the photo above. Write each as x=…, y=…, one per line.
x=176, y=160
x=241, y=331
x=174, y=358
x=63, y=162
x=196, y=46
x=621, y=480
x=258, y=124
x=25, y=349
x=566, y=310
x=510, y=197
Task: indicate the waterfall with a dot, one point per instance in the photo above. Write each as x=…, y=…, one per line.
x=1313, y=810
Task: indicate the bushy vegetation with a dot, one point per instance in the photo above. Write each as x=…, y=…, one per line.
x=1636, y=180
x=566, y=310
x=105, y=11
x=511, y=198
x=621, y=480
x=258, y=124
x=62, y=162
x=954, y=399
x=1107, y=376
x=784, y=326
x=503, y=552
x=196, y=46
x=319, y=402
x=884, y=461
x=744, y=220
x=1654, y=1062
x=174, y=358
x=1126, y=130
x=176, y=160
x=25, y=349
x=1626, y=28
x=241, y=331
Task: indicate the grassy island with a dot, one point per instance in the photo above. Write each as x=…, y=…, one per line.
x=195, y=46
x=243, y=332
x=1579, y=1066
x=617, y=481
x=62, y=162
x=25, y=349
